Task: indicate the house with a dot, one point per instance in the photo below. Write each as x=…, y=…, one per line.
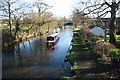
x=106, y=22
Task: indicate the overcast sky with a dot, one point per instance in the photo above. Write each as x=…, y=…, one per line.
x=63, y=8
x=60, y=7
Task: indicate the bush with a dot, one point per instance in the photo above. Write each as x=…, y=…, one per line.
x=103, y=48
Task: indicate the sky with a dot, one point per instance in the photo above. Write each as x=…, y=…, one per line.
x=60, y=8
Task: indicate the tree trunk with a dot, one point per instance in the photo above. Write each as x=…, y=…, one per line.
x=17, y=29
x=112, y=26
x=10, y=18
x=48, y=27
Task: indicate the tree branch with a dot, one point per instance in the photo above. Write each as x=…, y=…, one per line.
x=107, y=4
x=92, y=6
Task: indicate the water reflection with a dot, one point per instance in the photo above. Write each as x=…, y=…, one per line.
x=31, y=58
x=67, y=67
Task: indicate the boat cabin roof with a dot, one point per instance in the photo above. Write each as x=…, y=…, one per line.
x=53, y=35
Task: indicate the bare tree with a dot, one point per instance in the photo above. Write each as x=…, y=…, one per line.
x=79, y=18
x=14, y=10
x=10, y=18
x=61, y=21
x=6, y=8
x=17, y=16
x=99, y=9
x=42, y=8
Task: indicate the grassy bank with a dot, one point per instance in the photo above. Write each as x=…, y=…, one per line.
x=86, y=60
x=116, y=50
x=22, y=35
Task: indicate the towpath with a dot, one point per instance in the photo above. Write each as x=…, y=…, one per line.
x=85, y=62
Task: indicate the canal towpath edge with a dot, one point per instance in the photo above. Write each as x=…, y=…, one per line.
x=85, y=63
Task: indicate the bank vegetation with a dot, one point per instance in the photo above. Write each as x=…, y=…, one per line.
x=21, y=20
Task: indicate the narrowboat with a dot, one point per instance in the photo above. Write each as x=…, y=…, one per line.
x=52, y=40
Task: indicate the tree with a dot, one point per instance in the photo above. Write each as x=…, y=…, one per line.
x=78, y=18
x=7, y=12
x=114, y=7
x=99, y=9
x=10, y=18
x=12, y=10
x=62, y=21
x=42, y=8
x=18, y=15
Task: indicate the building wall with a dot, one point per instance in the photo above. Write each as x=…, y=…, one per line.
x=106, y=22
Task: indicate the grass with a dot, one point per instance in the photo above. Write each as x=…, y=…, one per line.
x=73, y=57
x=118, y=42
x=75, y=66
x=116, y=50
x=69, y=78
x=77, y=47
x=56, y=26
x=117, y=37
x=6, y=27
x=76, y=29
x=74, y=53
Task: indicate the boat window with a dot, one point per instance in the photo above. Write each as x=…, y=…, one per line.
x=51, y=44
x=50, y=38
x=55, y=37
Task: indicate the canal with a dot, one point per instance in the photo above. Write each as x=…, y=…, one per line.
x=32, y=59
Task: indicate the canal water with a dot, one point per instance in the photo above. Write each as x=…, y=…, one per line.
x=32, y=58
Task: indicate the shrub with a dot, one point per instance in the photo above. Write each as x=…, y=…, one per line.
x=104, y=48
x=87, y=35
x=85, y=29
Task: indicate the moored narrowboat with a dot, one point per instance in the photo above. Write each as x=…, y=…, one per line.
x=52, y=40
